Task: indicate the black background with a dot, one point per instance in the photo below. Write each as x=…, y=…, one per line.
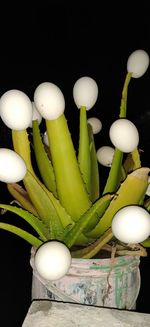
x=60, y=41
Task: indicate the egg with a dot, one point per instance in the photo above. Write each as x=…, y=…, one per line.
x=85, y=92
x=35, y=115
x=138, y=63
x=49, y=100
x=16, y=110
x=96, y=124
x=52, y=260
x=12, y=166
x=124, y=135
x=131, y=224
x=105, y=155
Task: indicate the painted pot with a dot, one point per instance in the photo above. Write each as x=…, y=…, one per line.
x=101, y=282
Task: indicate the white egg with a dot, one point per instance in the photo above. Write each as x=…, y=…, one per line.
x=105, y=155
x=85, y=92
x=35, y=115
x=12, y=166
x=52, y=260
x=16, y=110
x=45, y=138
x=138, y=63
x=131, y=224
x=49, y=100
x=96, y=124
x=124, y=135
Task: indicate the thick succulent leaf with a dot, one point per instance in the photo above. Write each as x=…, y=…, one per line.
x=21, y=145
x=87, y=219
x=115, y=174
x=132, y=161
x=34, y=241
x=31, y=219
x=146, y=243
x=84, y=157
x=70, y=185
x=95, y=178
x=43, y=162
x=21, y=195
x=91, y=250
x=147, y=204
x=130, y=192
x=123, y=105
x=41, y=201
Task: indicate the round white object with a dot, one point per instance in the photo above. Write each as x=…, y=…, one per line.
x=131, y=224
x=105, y=155
x=96, y=124
x=12, y=166
x=124, y=135
x=52, y=260
x=138, y=63
x=45, y=138
x=49, y=100
x=35, y=115
x=16, y=110
x=85, y=92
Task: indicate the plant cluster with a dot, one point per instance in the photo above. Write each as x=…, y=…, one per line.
x=65, y=202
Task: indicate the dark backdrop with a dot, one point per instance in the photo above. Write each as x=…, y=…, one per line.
x=59, y=42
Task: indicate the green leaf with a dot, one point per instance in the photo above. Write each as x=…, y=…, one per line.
x=43, y=162
x=146, y=243
x=31, y=219
x=84, y=157
x=115, y=174
x=89, y=219
x=129, y=193
x=91, y=250
x=34, y=241
x=21, y=145
x=44, y=206
x=70, y=185
x=95, y=179
x=114, y=177
x=21, y=195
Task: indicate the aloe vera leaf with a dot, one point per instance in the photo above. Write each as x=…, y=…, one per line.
x=146, y=243
x=34, y=241
x=20, y=194
x=114, y=176
x=123, y=106
x=70, y=185
x=21, y=145
x=46, y=211
x=84, y=150
x=66, y=219
x=95, y=178
x=132, y=161
x=31, y=219
x=91, y=250
x=147, y=204
x=129, y=193
x=87, y=219
x=43, y=162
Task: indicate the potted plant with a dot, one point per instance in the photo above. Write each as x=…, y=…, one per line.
x=74, y=222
